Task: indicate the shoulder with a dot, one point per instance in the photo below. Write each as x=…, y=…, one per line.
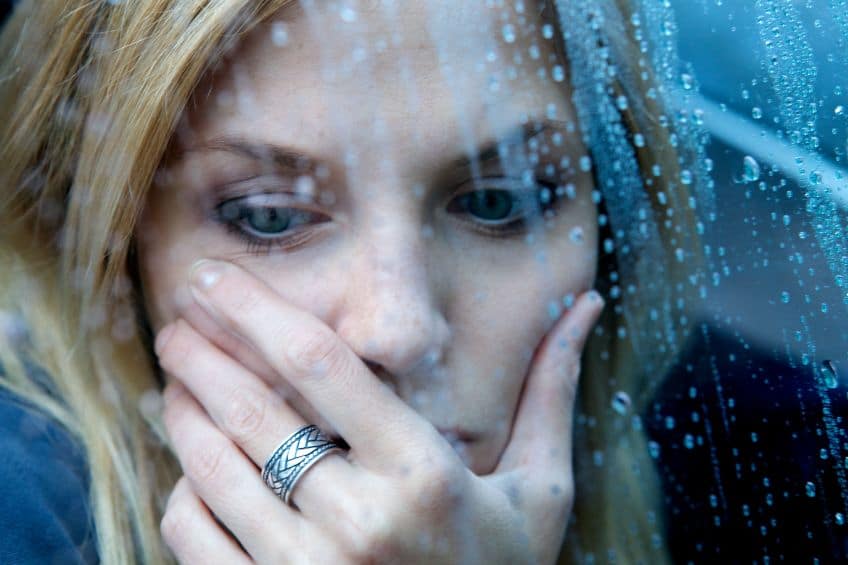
x=44, y=509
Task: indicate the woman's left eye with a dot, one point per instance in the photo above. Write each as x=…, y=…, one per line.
x=505, y=209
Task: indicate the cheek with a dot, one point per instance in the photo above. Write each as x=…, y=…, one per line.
x=504, y=319
x=165, y=256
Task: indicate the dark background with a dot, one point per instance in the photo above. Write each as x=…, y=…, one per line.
x=5, y=7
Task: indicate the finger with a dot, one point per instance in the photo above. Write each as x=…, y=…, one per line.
x=227, y=482
x=228, y=342
x=192, y=534
x=366, y=413
x=243, y=352
x=541, y=435
x=246, y=410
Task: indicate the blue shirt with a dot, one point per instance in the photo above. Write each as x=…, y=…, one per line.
x=44, y=510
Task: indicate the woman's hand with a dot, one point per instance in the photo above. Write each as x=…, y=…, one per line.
x=401, y=494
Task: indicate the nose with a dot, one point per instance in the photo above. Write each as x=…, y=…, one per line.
x=391, y=315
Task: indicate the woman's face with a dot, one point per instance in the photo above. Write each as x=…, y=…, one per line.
x=369, y=165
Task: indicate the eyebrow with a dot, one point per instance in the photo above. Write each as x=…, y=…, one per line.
x=288, y=158
x=282, y=157
x=519, y=134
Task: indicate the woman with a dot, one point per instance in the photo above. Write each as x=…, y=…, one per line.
x=412, y=188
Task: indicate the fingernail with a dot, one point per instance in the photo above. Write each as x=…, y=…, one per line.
x=163, y=337
x=205, y=273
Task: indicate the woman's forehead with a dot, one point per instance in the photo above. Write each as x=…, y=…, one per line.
x=425, y=70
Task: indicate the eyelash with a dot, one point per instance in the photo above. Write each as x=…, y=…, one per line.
x=263, y=245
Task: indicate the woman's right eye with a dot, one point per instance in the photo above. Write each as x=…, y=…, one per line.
x=265, y=219
x=262, y=226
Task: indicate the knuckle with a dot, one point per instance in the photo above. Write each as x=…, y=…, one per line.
x=181, y=490
x=176, y=351
x=175, y=523
x=374, y=544
x=205, y=462
x=317, y=352
x=440, y=489
x=172, y=411
x=244, y=414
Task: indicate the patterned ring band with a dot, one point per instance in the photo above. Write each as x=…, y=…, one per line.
x=294, y=457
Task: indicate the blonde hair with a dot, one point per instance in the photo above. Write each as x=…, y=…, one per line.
x=90, y=96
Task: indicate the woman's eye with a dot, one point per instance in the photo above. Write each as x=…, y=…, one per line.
x=263, y=226
x=503, y=208
x=488, y=205
x=497, y=210
x=266, y=220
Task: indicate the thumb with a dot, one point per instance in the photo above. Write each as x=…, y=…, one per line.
x=541, y=432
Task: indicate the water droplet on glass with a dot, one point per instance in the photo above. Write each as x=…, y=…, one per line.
x=756, y=112
x=688, y=441
x=558, y=73
x=823, y=453
x=621, y=402
x=839, y=519
x=304, y=186
x=831, y=379
x=839, y=110
x=585, y=164
x=686, y=176
x=687, y=80
x=598, y=458
x=784, y=297
x=621, y=102
x=750, y=169
x=577, y=235
x=508, y=33
x=654, y=449
x=150, y=404
x=279, y=34
x=547, y=31
x=348, y=14
x=810, y=489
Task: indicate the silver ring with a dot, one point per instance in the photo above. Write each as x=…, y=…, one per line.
x=294, y=457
